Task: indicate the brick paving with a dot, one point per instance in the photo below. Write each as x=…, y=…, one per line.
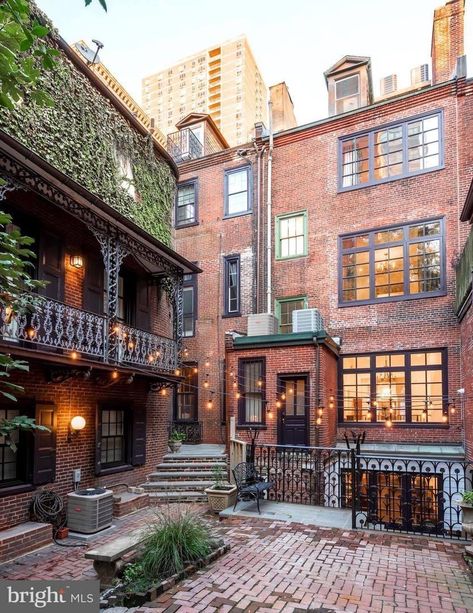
x=277, y=566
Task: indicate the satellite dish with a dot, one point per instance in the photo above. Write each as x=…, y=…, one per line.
x=91, y=57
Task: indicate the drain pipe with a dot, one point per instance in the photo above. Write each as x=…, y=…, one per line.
x=269, y=251
x=259, y=157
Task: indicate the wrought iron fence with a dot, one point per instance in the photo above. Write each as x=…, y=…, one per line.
x=140, y=348
x=192, y=430
x=54, y=325
x=304, y=475
x=416, y=495
x=411, y=495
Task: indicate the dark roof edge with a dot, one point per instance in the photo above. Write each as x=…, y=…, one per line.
x=30, y=155
x=363, y=109
x=286, y=340
x=467, y=211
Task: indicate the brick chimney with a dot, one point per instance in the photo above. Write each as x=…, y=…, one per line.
x=447, y=40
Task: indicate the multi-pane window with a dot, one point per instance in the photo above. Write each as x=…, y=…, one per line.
x=408, y=387
x=291, y=235
x=232, y=285
x=189, y=305
x=8, y=458
x=390, y=263
x=347, y=93
x=186, y=204
x=187, y=394
x=284, y=309
x=401, y=150
x=237, y=191
x=295, y=401
x=251, y=376
x=113, y=443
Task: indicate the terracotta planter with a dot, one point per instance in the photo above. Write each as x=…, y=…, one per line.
x=174, y=446
x=221, y=499
x=467, y=521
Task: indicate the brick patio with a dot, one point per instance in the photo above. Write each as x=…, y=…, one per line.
x=275, y=566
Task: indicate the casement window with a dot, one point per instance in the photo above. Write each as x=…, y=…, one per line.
x=401, y=387
x=186, y=204
x=284, y=309
x=120, y=437
x=347, y=93
x=34, y=461
x=396, y=151
x=232, y=285
x=189, y=305
x=405, y=261
x=251, y=388
x=291, y=235
x=237, y=191
x=186, y=398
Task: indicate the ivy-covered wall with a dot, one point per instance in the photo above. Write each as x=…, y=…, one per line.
x=84, y=136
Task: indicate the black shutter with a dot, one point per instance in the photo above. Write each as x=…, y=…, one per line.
x=98, y=440
x=142, y=318
x=50, y=266
x=93, y=285
x=138, y=441
x=44, y=461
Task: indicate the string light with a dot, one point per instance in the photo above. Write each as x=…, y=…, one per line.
x=278, y=404
x=318, y=421
x=115, y=374
x=389, y=423
x=177, y=372
x=237, y=395
x=74, y=355
x=260, y=383
x=164, y=391
x=195, y=370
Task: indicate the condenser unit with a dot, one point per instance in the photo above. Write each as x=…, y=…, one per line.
x=89, y=510
x=262, y=324
x=307, y=320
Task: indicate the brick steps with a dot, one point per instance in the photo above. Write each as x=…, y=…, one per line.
x=191, y=475
x=177, y=496
x=189, y=466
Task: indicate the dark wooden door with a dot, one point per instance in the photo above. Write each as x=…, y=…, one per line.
x=50, y=266
x=293, y=420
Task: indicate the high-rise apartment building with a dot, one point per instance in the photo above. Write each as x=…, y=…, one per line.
x=223, y=81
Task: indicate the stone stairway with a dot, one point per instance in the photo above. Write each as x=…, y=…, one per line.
x=183, y=476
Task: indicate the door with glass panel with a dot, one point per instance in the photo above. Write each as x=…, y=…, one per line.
x=293, y=392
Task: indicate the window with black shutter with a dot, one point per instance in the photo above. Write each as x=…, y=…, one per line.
x=44, y=461
x=51, y=266
x=94, y=285
x=120, y=437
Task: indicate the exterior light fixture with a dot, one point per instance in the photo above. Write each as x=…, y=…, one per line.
x=318, y=421
x=76, y=261
x=115, y=374
x=210, y=404
x=74, y=355
x=30, y=332
x=76, y=424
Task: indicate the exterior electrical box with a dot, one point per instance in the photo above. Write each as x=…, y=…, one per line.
x=89, y=510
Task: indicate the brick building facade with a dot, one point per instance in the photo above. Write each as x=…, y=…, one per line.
x=365, y=228
x=102, y=338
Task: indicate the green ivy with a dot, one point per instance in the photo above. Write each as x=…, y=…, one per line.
x=82, y=134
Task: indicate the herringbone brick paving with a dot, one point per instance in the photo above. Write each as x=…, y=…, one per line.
x=276, y=566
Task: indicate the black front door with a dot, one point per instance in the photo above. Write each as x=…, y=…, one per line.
x=293, y=420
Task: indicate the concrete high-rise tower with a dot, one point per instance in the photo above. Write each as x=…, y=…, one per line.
x=223, y=81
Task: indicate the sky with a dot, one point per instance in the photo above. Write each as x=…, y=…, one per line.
x=292, y=40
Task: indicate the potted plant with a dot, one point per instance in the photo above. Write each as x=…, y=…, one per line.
x=467, y=509
x=175, y=440
x=221, y=494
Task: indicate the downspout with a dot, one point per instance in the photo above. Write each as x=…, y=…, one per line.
x=269, y=254
x=259, y=158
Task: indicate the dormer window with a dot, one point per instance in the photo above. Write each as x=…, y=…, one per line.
x=347, y=93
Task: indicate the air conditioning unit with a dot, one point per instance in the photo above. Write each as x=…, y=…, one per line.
x=89, y=510
x=262, y=324
x=307, y=320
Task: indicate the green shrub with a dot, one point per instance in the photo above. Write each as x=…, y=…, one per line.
x=468, y=497
x=172, y=541
x=135, y=579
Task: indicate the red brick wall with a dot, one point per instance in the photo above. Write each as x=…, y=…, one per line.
x=207, y=244
x=447, y=39
x=76, y=397
x=467, y=381
x=305, y=177
x=290, y=361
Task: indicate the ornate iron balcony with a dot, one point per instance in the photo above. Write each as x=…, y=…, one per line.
x=184, y=145
x=54, y=325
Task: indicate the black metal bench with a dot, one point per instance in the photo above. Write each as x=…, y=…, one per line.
x=250, y=485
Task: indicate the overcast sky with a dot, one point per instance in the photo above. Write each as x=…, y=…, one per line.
x=293, y=41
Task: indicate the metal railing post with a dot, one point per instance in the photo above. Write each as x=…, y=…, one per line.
x=354, y=492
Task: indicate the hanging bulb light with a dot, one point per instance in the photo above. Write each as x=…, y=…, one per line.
x=206, y=384
x=237, y=395
x=207, y=362
x=164, y=391
x=283, y=396
x=195, y=370
x=278, y=404
x=318, y=421
x=320, y=411
x=235, y=385
x=260, y=383
x=177, y=372
x=115, y=374
x=444, y=418
x=389, y=423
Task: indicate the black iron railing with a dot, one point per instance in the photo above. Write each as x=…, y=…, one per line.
x=412, y=495
x=192, y=430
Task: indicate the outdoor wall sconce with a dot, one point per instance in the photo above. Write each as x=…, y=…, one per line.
x=30, y=332
x=76, y=425
x=76, y=261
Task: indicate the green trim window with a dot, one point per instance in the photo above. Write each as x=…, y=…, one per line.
x=284, y=309
x=291, y=235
